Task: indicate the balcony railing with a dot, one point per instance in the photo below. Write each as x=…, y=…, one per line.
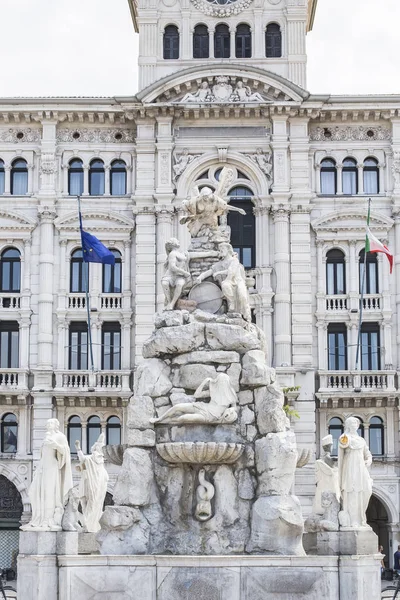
x=13, y=379
x=99, y=380
x=10, y=300
x=356, y=380
x=372, y=302
x=77, y=301
x=110, y=301
x=336, y=302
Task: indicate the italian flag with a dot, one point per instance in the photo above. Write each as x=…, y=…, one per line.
x=372, y=244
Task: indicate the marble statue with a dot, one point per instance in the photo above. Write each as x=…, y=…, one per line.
x=205, y=207
x=52, y=481
x=326, y=475
x=202, y=95
x=354, y=479
x=93, y=484
x=244, y=93
x=181, y=163
x=220, y=409
x=230, y=274
x=177, y=275
x=328, y=520
x=204, y=494
x=72, y=516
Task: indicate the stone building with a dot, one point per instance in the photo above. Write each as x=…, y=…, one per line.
x=221, y=82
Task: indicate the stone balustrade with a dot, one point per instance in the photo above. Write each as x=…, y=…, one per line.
x=99, y=380
x=355, y=380
x=13, y=379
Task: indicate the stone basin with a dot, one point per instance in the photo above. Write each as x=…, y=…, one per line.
x=200, y=453
x=114, y=453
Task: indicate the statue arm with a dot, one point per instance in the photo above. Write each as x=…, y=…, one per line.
x=204, y=275
x=236, y=209
x=224, y=272
x=175, y=269
x=200, y=392
x=209, y=254
x=367, y=456
x=79, y=452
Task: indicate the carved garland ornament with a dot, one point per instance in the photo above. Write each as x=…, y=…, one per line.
x=221, y=8
x=115, y=136
x=339, y=134
x=16, y=136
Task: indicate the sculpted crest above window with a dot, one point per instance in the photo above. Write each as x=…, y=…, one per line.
x=221, y=8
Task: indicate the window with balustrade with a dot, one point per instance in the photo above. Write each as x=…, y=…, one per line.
x=75, y=177
x=10, y=271
x=9, y=434
x=243, y=227
x=273, y=41
x=79, y=273
x=337, y=347
x=113, y=430
x=19, y=177
x=74, y=432
x=111, y=347
x=112, y=275
x=9, y=345
x=93, y=430
x=370, y=347
x=243, y=41
x=78, y=345
x=328, y=175
x=376, y=436
x=335, y=272
x=222, y=41
x=118, y=178
x=371, y=283
x=2, y=177
x=96, y=178
x=335, y=428
x=201, y=42
x=171, y=43
x=371, y=176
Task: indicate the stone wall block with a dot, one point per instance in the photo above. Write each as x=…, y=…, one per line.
x=191, y=376
x=124, y=530
x=137, y=437
x=230, y=337
x=245, y=485
x=135, y=478
x=152, y=378
x=255, y=371
x=174, y=340
x=140, y=410
x=276, y=458
x=171, y=318
x=234, y=375
x=226, y=495
x=271, y=418
x=207, y=356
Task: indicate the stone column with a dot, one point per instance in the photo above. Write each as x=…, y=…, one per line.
x=318, y=179
x=126, y=276
x=26, y=284
x=64, y=167
x=352, y=278
x=381, y=176
x=7, y=179
x=397, y=280
x=31, y=168
x=211, y=33
x=258, y=35
x=126, y=344
x=360, y=175
x=322, y=329
x=339, y=186
x=85, y=180
x=352, y=338
x=62, y=290
x=232, y=32
x=282, y=294
x=45, y=298
x=62, y=330
x=164, y=232
x=24, y=325
x=107, y=187
x=389, y=444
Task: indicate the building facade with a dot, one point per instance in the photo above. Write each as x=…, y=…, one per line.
x=221, y=83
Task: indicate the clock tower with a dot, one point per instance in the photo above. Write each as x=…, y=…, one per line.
x=178, y=34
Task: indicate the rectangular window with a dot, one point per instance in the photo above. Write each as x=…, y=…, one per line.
x=328, y=182
x=9, y=345
x=370, y=347
x=78, y=346
x=75, y=183
x=111, y=346
x=337, y=347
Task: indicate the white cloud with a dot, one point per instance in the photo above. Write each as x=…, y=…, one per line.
x=89, y=48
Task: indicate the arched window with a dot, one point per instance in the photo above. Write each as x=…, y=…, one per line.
x=79, y=273
x=201, y=42
x=2, y=177
x=335, y=273
x=75, y=177
x=335, y=428
x=376, y=436
x=74, y=432
x=118, y=178
x=96, y=177
x=337, y=347
x=243, y=227
x=112, y=275
x=19, y=177
x=113, y=431
x=93, y=431
x=371, y=285
x=111, y=347
x=78, y=346
x=328, y=177
x=370, y=347
x=10, y=271
x=371, y=176
x=9, y=433
x=243, y=41
x=222, y=41
x=349, y=177
x=9, y=346
x=273, y=41
x=171, y=42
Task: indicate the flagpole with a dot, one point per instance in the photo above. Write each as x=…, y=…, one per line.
x=357, y=365
x=86, y=284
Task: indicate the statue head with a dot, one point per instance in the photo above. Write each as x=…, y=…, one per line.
x=327, y=444
x=204, y=85
x=206, y=191
x=239, y=84
x=351, y=425
x=225, y=249
x=98, y=446
x=171, y=244
x=53, y=425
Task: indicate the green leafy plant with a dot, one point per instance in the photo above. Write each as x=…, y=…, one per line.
x=291, y=412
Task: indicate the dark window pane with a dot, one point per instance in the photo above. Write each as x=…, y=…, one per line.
x=76, y=183
x=273, y=41
x=222, y=42
x=171, y=43
x=118, y=183
x=201, y=42
x=337, y=348
x=376, y=440
x=243, y=41
x=113, y=435
x=2, y=181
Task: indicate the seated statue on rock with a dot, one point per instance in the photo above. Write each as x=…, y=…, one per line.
x=220, y=409
x=329, y=520
x=326, y=475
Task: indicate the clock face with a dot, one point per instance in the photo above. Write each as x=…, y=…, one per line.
x=221, y=2
x=221, y=8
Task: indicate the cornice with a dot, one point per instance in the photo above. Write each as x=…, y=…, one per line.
x=311, y=10
x=351, y=220
x=112, y=221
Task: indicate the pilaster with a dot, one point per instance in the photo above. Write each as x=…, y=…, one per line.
x=282, y=295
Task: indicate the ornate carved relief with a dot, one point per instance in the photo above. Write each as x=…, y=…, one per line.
x=264, y=161
x=396, y=168
x=222, y=91
x=109, y=136
x=182, y=161
x=338, y=134
x=214, y=8
x=17, y=136
x=48, y=164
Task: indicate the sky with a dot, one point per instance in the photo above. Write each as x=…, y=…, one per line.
x=89, y=48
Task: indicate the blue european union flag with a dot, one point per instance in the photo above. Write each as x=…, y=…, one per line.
x=94, y=250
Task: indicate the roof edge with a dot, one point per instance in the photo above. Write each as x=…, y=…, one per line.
x=134, y=14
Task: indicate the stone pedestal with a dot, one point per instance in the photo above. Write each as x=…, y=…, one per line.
x=344, y=543
x=87, y=543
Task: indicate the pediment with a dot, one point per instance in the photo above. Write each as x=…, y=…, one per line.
x=222, y=84
x=94, y=220
x=11, y=221
x=345, y=221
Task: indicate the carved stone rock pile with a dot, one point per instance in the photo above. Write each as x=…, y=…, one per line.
x=205, y=488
